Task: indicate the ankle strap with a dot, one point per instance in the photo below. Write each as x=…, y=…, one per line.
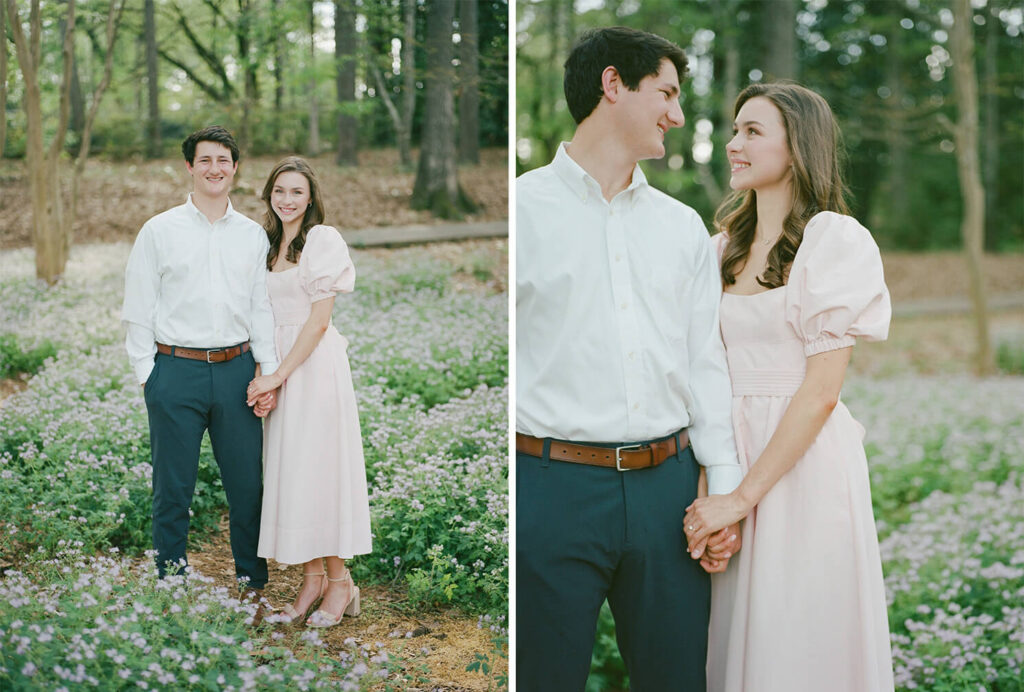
x=315, y=574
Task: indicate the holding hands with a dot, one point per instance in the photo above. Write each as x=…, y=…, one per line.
x=261, y=393
x=712, y=531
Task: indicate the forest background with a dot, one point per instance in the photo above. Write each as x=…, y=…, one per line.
x=884, y=66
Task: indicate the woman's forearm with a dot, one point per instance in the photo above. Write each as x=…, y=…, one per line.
x=308, y=338
x=806, y=414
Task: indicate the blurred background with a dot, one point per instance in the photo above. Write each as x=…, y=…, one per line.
x=885, y=66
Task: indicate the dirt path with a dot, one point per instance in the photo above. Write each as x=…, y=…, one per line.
x=442, y=643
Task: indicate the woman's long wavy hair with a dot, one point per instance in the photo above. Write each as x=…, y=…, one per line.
x=272, y=223
x=815, y=145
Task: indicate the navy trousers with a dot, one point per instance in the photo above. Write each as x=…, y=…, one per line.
x=587, y=533
x=184, y=398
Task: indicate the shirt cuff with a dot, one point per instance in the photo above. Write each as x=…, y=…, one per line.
x=143, y=368
x=268, y=367
x=723, y=479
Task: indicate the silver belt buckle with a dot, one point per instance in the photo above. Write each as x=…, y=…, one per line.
x=213, y=350
x=618, y=456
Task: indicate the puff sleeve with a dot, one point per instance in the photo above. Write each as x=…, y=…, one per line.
x=325, y=267
x=836, y=290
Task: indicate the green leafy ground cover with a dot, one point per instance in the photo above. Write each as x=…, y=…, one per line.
x=430, y=368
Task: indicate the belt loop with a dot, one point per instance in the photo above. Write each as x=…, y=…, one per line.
x=545, y=457
x=679, y=446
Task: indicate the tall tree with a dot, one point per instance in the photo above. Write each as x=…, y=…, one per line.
x=345, y=62
x=965, y=132
x=437, y=186
x=402, y=113
x=153, y=144
x=314, y=110
x=991, y=129
x=48, y=229
x=780, y=39
x=244, y=34
x=3, y=77
x=469, y=83
x=277, y=69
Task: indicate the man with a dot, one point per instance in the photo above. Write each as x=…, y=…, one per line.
x=198, y=320
x=620, y=366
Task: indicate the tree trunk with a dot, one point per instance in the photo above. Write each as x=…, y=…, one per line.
x=77, y=100
x=278, y=68
x=153, y=144
x=314, y=114
x=3, y=77
x=469, y=82
x=993, y=28
x=345, y=59
x=48, y=230
x=780, y=39
x=972, y=228
x=408, y=83
x=895, y=133
x=243, y=36
x=437, y=186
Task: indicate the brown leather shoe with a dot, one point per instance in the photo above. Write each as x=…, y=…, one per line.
x=249, y=595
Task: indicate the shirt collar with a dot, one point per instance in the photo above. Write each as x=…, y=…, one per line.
x=581, y=182
x=190, y=205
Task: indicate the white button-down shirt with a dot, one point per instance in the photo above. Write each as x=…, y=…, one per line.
x=617, y=336
x=193, y=283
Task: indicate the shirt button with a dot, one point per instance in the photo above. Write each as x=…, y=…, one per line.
x=618, y=258
x=611, y=212
x=624, y=306
x=636, y=406
x=632, y=356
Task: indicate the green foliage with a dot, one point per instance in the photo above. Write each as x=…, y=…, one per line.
x=17, y=359
x=99, y=622
x=1010, y=357
x=607, y=670
x=882, y=66
x=484, y=663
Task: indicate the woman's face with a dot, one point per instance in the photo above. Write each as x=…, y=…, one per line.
x=759, y=157
x=290, y=196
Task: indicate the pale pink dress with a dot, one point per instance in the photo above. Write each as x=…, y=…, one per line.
x=802, y=605
x=314, y=480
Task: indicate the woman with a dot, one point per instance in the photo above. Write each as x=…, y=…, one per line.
x=802, y=606
x=315, y=507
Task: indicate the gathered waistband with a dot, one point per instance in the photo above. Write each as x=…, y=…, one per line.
x=765, y=382
x=291, y=317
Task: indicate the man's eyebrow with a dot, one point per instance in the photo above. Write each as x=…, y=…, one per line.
x=672, y=89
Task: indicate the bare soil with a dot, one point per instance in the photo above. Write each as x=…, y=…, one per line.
x=116, y=198
x=441, y=644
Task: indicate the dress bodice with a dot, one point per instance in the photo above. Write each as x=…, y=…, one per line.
x=765, y=354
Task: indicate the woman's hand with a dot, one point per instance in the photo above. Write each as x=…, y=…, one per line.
x=707, y=515
x=261, y=385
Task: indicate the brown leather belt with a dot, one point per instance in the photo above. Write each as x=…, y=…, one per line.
x=213, y=355
x=624, y=458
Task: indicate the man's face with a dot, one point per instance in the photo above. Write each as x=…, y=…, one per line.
x=651, y=111
x=212, y=170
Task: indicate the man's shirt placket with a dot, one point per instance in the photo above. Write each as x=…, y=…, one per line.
x=618, y=223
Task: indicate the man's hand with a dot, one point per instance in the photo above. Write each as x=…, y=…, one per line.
x=720, y=547
x=264, y=404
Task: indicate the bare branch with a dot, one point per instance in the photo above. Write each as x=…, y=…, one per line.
x=65, y=87
x=113, y=21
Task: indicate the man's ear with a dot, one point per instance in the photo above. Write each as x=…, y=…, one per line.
x=611, y=83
